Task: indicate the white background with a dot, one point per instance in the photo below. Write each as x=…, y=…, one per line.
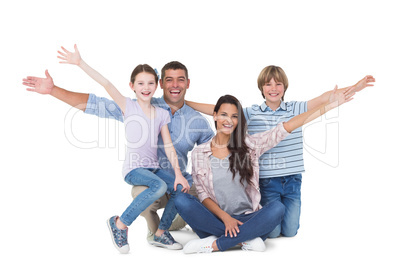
x=56, y=196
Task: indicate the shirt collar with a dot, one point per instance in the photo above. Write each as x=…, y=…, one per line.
x=163, y=104
x=264, y=106
x=206, y=147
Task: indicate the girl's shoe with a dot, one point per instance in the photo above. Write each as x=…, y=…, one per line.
x=119, y=237
x=166, y=241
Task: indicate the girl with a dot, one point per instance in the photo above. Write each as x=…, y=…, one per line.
x=226, y=175
x=143, y=123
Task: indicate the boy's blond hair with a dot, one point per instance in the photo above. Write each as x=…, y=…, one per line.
x=274, y=72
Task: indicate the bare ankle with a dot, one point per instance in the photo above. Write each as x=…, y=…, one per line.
x=215, y=246
x=159, y=232
x=120, y=224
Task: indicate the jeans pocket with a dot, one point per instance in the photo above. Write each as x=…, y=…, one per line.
x=297, y=178
x=296, y=183
x=264, y=182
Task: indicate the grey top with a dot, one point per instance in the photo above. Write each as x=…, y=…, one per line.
x=230, y=193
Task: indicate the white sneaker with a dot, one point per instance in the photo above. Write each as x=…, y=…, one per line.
x=255, y=244
x=200, y=245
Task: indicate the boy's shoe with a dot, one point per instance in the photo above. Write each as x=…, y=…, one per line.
x=255, y=244
x=200, y=245
x=119, y=237
x=166, y=241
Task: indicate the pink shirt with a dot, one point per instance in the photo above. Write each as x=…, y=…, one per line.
x=258, y=144
x=142, y=136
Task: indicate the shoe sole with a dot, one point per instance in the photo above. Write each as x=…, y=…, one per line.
x=175, y=246
x=123, y=250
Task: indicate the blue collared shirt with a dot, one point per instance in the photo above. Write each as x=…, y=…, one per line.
x=187, y=128
x=287, y=157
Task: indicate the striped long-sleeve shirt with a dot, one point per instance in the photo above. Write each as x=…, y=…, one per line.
x=286, y=158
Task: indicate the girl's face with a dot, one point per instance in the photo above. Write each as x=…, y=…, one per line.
x=144, y=86
x=273, y=91
x=226, y=118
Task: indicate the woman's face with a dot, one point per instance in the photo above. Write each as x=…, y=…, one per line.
x=226, y=118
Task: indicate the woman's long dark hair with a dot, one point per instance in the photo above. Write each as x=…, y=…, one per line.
x=239, y=159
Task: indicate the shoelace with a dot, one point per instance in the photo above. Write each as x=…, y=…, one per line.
x=170, y=237
x=165, y=238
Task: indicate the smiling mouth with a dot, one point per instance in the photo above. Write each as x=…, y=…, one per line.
x=146, y=93
x=175, y=92
x=273, y=94
x=227, y=126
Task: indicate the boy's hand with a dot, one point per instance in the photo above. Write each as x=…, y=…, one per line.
x=39, y=85
x=181, y=180
x=362, y=84
x=70, y=57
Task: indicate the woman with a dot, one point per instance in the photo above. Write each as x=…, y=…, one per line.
x=225, y=172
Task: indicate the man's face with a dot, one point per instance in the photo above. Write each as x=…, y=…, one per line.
x=174, y=87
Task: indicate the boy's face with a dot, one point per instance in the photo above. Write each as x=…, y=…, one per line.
x=174, y=87
x=273, y=91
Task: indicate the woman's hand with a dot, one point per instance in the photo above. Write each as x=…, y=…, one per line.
x=70, y=57
x=338, y=98
x=231, y=226
x=365, y=82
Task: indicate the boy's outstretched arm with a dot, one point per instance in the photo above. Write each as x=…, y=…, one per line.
x=323, y=98
x=46, y=86
x=335, y=99
x=75, y=59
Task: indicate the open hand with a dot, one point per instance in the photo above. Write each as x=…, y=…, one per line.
x=338, y=98
x=39, y=85
x=70, y=57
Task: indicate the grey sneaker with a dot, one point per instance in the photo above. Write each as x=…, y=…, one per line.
x=119, y=237
x=150, y=237
x=166, y=241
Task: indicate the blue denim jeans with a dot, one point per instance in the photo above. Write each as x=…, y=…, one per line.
x=159, y=182
x=287, y=191
x=205, y=223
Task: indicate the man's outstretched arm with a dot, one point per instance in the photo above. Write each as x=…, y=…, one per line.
x=46, y=86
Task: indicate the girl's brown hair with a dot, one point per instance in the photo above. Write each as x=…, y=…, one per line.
x=143, y=68
x=239, y=159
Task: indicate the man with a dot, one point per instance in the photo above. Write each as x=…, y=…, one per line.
x=187, y=127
